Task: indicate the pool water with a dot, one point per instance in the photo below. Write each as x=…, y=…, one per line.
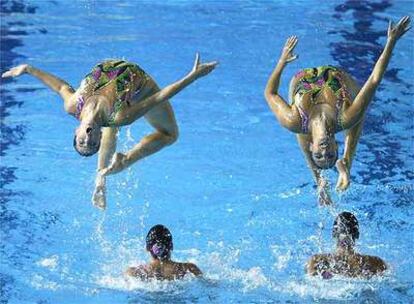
x=234, y=189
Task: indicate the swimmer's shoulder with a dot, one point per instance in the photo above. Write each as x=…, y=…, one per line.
x=372, y=265
x=141, y=272
x=181, y=269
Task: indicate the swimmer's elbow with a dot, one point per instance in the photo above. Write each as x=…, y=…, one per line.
x=311, y=266
x=193, y=268
x=271, y=97
x=381, y=265
x=130, y=272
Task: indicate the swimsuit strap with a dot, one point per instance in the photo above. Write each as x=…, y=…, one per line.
x=304, y=119
x=80, y=102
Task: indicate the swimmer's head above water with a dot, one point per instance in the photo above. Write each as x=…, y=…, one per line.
x=87, y=139
x=159, y=243
x=345, y=229
x=323, y=147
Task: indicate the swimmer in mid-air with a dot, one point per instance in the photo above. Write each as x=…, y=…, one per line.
x=345, y=261
x=114, y=94
x=159, y=245
x=324, y=101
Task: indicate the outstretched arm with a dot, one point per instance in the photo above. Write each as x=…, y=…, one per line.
x=356, y=111
x=199, y=70
x=344, y=165
x=288, y=116
x=54, y=83
x=106, y=151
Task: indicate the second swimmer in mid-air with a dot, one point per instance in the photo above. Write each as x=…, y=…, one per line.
x=114, y=94
x=324, y=101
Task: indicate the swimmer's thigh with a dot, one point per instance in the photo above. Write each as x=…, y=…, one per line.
x=162, y=117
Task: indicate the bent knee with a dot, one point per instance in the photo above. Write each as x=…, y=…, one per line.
x=170, y=136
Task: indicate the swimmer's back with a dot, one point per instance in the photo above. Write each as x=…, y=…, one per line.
x=164, y=271
x=355, y=265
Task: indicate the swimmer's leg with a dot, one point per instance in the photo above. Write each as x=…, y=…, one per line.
x=56, y=84
x=162, y=119
x=344, y=165
x=106, y=151
x=323, y=193
x=158, y=112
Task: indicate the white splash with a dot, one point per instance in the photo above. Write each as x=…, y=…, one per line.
x=50, y=262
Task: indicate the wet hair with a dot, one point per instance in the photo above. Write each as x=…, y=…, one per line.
x=346, y=224
x=90, y=152
x=159, y=242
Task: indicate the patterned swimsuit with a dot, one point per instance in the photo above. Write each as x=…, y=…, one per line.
x=120, y=71
x=312, y=81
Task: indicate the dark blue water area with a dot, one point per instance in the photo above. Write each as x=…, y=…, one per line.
x=234, y=190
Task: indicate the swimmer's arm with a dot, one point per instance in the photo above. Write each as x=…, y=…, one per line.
x=378, y=266
x=54, y=83
x=199, y=70
x=136, y=272
x=304, y=143
x=131, y=271
x=194, y=269
x=344, y=165
x=287, y=116
x=106, y=151
x=311, y=268
x=356, y=111
x=323, y=194
x=108, y=146
x=319, y=266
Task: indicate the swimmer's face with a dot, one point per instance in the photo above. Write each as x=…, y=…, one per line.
x=87, y=139
x=324, y=152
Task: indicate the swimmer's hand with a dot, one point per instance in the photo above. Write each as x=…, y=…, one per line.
x=396, y=32
x=119, y=163
x=16, y=71
x=202, y=69
x=344, y=176
x=287, y=52
x=99, y=194
x=323, y=194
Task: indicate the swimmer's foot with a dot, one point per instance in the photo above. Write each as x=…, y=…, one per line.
x=99, y=194
x=343, y=178
x=119, y=162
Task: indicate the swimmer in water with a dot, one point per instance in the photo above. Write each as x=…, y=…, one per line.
x=345, y=261
x=324, y=101
x=114, y=94
x=160, y=245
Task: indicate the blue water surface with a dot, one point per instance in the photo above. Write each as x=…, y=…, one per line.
x=234, y=189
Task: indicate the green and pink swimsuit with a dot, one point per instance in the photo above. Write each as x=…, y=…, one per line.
x=120, y=71
x=312, y=81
